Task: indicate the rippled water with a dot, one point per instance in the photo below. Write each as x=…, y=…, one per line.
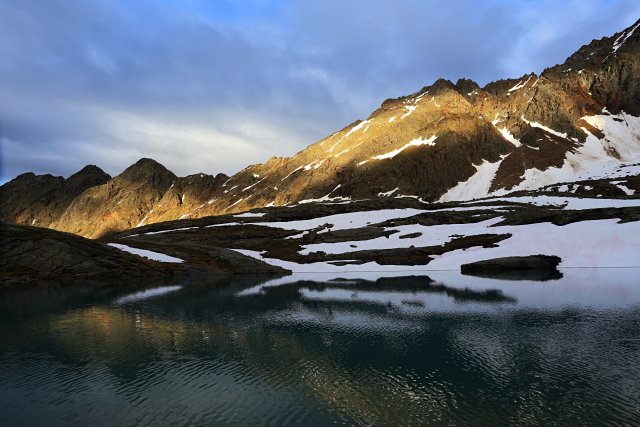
x=441, y=349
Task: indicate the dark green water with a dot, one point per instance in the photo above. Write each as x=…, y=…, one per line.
x=445, y=350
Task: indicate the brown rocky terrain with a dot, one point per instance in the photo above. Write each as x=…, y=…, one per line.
x=120, y=203
x=575, y=122
x=41, y=200
x=31, y=253
x=90, y=203
x=285, y=236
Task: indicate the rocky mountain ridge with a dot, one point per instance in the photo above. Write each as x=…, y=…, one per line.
x=42, y=199
x=578, y=121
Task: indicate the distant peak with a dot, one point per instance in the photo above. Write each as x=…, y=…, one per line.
x=466, y=85
x=90, y=170
x=145, y=161
x=25, y=175
x=624, y=37
x=632, y=26
x=146, y=167
x=442, y=84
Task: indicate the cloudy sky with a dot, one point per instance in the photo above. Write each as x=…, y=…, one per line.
x=213, y=85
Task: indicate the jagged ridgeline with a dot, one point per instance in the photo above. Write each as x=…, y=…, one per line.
x=578, y=121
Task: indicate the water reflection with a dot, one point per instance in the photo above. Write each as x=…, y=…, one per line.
x=395, y=351
x=146, y=294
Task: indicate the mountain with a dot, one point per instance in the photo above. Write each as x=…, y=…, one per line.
x=144, y=190
x=41, y=199
x=449, y=141
x=91, y=203
x=575, y=128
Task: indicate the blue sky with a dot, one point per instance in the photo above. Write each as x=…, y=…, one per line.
x=212, y=86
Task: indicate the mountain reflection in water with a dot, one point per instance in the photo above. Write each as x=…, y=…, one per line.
x=315, y=350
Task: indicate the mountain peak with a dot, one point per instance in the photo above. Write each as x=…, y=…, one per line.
x=627, y=39
x=90, y=171
x=466, y=85
x=146, y=167
x=146, y=162
x=441, y=85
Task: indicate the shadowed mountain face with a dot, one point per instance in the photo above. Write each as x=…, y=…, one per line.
x=41, y=200
x=578, y=121
x=31, y=254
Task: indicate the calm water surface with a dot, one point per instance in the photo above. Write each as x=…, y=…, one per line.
x=441, y=349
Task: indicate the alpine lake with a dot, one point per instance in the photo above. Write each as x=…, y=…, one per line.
x=435, y=348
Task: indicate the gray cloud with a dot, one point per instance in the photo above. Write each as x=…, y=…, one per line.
x=212, y=86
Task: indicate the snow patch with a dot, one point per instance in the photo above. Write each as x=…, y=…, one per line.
x=235, y=203
x=155, y=256
x=326, y=198
x=231, y=189
x=623, y=38
x=254, y=184
x=477, y=186
x=412, y=143
x=545, y=128
x=344, y=221
x=250, y=215
x=292, y=172
x=628, y=191
x=434, y=235
x=509, y=136
x=410, y=109
x=163, y=231
x=388, y=193
x=599, y=243
x=141, y=223
x=519, y=85
x=570, y=203
x=352, y=130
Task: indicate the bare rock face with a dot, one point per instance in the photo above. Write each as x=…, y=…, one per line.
x=118, y=204
x=534, y=267
x=186, y=197
x=32, y=253
x=577, y=121
x=41, y=199
x=90, y=203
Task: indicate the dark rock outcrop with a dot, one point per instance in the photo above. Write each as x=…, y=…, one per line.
x=30, y=254
x=534, y=267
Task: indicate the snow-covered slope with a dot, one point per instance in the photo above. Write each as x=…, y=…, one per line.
x=412, y=236
x=614, y=154
x=594, y=243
